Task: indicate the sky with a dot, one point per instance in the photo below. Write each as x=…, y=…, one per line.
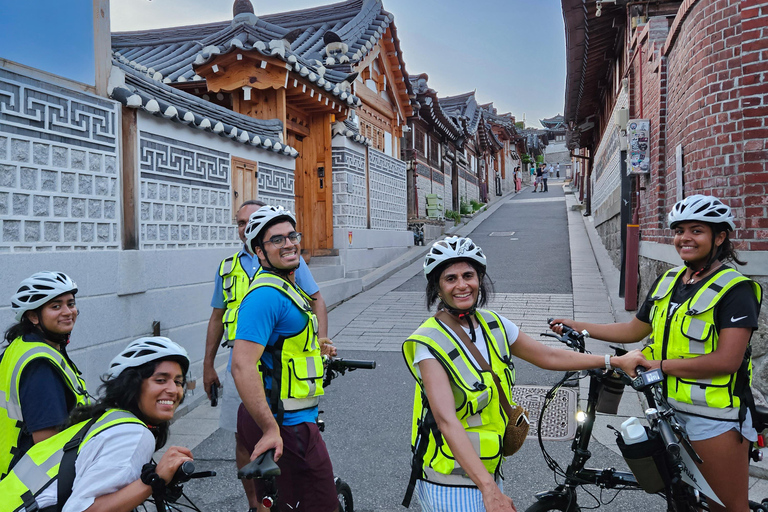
x=511, y=52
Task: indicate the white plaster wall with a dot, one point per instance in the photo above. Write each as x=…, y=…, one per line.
x=350, y=190
x=424, y=186
x=370, y=248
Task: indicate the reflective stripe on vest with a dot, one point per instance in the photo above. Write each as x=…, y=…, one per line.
x=297, y=373
x=17, y=356
x=475, y=396
x=39, y=467
x=690, y=332
x=235, y=284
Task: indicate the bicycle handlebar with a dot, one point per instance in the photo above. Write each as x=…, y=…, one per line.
x=350, y=364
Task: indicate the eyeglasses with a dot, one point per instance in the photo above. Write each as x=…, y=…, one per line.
x=279, y=240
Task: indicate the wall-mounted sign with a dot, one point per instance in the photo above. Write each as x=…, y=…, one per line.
x=638, y=136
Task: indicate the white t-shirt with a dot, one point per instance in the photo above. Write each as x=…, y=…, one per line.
x=422, y=352
x=108, y=462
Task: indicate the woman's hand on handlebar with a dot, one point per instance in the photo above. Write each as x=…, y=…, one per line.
x=629, y=361
x=557, y=325
x=174, y=457
x=267, y=442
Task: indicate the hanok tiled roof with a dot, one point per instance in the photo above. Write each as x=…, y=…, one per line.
x=431, y=109
x=172, y=54
x=554, y=123
x=351, y=130
x=465, y=111
x=133, y=89
x=506, y=121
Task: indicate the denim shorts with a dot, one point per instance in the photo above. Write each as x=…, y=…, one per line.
x=699, y=429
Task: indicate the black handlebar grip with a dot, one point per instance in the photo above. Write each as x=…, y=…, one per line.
x=363, y=365
x=669, y=438
x=183, y=472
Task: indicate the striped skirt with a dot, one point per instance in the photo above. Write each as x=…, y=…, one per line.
x=441, y=498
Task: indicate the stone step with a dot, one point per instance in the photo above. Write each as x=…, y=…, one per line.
x=338, y=290
x=323, y=261
x=324, y=273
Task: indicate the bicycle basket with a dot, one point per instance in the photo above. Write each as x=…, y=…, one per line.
x=646, y=461
x=609, y=394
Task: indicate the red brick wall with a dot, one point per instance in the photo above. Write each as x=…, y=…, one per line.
x=706, y=88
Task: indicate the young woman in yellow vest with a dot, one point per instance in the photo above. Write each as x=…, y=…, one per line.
x=458, y=422
x=39, y=383
x=102, y=461
x=700, y=317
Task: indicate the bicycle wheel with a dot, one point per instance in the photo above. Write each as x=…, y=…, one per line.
x=554, y=503
x=345, y=496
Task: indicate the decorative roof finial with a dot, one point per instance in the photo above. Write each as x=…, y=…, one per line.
x=242, y=7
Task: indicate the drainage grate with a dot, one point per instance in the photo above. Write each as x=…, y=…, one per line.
x=501, y=233
x=559, y=424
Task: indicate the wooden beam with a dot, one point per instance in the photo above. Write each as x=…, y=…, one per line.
x=296, y=128
x=374, y=101
x=129, y=170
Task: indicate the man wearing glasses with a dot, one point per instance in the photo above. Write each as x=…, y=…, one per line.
x=233, y=279
x=277, y=333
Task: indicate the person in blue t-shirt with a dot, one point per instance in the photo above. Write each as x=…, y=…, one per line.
x=238, y=271
x=277, y=332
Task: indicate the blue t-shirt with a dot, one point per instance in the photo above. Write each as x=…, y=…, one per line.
x=250, y=264
x=265, y=315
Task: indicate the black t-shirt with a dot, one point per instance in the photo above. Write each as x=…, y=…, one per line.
x=737, y=308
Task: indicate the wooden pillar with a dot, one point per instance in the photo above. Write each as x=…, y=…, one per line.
x=130, y=186
x=102, y=45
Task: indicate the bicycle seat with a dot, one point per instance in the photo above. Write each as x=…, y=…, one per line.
x=263, y=466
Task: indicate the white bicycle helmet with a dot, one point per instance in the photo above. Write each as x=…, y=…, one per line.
x=452, y=248
x=38, y=289
x=702, y=208
x=260, y=218
x=145, y=350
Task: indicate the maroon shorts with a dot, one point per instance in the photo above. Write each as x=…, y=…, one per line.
x=306, y=480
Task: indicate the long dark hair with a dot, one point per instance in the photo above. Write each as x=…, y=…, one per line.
x=726, y=251
x=433, y=283
x=124, y=392
x=22, y=328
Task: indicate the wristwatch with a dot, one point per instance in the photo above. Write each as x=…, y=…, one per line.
x=608, y=362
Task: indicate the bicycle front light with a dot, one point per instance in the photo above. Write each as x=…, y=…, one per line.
x=581, y=416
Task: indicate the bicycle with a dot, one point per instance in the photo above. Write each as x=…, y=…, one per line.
x=266, y=469
x=167, y=500
x=672, y=454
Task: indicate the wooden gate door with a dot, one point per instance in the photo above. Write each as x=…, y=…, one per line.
x=313, y=186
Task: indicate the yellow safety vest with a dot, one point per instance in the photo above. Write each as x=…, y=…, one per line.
x=14, y=360
x=475, y=395
x=297, y=373
x=40, y=466
x=690, y=332
x=235, y=283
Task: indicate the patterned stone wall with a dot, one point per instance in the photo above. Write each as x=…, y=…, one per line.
x=59, y=171
x=276, y=186
x=388, y=191
x=185, y=194
x=350, y=193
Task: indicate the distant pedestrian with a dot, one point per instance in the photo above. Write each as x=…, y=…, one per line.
x=539, y=178
x=518, y=179
x=544, y=176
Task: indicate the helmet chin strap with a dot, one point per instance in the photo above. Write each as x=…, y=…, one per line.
x=57, y=337
x=710, y=261
x=284, y=272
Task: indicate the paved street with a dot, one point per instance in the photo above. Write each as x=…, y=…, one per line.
x=368, y=413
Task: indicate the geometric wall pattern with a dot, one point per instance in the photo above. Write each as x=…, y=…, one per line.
x=350, y=193
x=59, y=170
x=387, y=191
x=276, y=186
x=184, y=195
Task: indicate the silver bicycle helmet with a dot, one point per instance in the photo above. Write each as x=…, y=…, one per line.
x=145, y=350
x=38, y=289
x=702, y=208
x=260, y=218
x=452, y=248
